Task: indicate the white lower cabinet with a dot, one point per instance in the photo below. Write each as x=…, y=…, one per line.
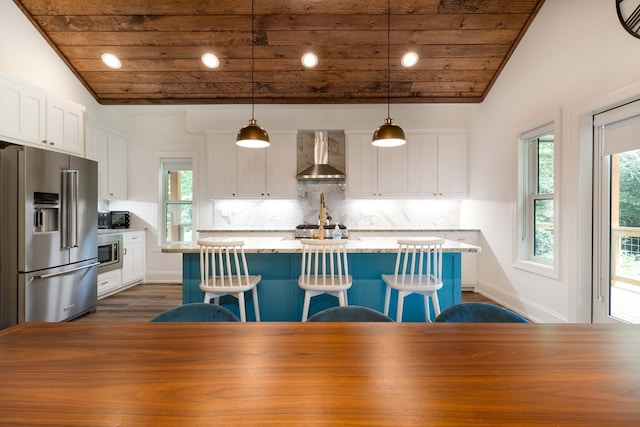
x=133, y=260
x=133, y=266
x=108, y=283
x=469, y=259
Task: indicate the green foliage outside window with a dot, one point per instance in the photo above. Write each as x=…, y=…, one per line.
x=630, y=189
x=544, y=207
x=179, y=206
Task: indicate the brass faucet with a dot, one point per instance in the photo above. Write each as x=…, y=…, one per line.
x=322, y=219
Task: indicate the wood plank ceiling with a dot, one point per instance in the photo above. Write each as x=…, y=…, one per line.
x=462, y=44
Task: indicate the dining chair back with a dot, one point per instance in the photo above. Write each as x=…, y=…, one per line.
x=349, y=313
x=224, y=271
x=196, y=312
x=324, y=270
x=479, y=312
x=418, y=270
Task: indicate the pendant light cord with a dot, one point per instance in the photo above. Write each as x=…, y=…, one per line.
x=253, y=44
x=388, y=58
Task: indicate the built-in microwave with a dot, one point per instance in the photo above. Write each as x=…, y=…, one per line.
x=113, y=219
x=109, y=252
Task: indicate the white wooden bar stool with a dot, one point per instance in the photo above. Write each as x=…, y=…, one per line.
x=324, y=271
x=418, y=271
x=223, y=271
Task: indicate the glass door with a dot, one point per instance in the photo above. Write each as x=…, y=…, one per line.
x=616, y=292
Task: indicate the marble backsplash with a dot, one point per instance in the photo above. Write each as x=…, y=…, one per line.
x=373, y=214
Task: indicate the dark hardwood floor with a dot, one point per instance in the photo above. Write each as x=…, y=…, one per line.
x=143, y=302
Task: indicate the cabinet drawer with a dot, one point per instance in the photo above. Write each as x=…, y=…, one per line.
x=108, y=282
x=132, y=237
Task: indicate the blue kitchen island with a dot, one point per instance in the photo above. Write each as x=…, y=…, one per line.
x=278, y=259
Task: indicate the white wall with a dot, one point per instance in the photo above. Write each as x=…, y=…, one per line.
x=574, y=51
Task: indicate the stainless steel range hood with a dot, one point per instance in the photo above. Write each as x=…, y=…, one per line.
x=321, y=169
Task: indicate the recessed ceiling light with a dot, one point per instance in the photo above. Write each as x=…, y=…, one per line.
x=309, y=60
x=111, y=60
x=409, y=59
x=210, y=60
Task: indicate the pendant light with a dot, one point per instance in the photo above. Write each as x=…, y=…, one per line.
x=252, y=135
x=389, y=134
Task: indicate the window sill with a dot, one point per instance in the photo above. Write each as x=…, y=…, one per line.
x=538, y=268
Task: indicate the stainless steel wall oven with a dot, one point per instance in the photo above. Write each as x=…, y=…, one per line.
x=109, y=252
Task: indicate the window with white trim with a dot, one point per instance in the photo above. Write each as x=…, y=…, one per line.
x=176, y=184
x=537, y=198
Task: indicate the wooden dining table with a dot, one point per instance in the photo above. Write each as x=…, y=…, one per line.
x=319, y=374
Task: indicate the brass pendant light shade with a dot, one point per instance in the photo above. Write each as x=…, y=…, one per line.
x=252, y=135
x=389, y=134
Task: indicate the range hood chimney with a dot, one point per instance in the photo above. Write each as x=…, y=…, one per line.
x=321, y=169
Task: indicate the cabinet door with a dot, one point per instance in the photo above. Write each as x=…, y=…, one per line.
x=96, y=149
x=362, y=165
x=392, y=171
x=117, y=166
x=422, y=165
x=22, y=113
x=281, y=166
x=221, y=165
x=452, y=165
x=469, y=259
x=133, y=260
x=64, y=125
x=251, y=172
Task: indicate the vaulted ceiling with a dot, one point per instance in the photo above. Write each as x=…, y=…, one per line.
x=462, y=44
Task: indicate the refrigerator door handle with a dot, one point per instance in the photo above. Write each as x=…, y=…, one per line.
x=69, y=232
x=60, y=273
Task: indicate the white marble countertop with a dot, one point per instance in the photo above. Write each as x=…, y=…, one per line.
x=285, y=244
x=102, y=231
x=351, y=230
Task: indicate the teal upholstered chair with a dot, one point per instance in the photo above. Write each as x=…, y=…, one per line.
x=197, y=312
x=479, y=312
x=349, y=313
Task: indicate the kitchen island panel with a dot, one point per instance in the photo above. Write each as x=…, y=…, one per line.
x=281, y=299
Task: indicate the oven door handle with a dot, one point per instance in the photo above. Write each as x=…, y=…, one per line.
x=60, y=273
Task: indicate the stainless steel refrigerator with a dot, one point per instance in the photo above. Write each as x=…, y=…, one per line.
x=48, y=235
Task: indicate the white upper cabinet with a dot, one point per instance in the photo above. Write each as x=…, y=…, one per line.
x=65, y=125
x=422, y=166
x=117, y=163
x=437, y=164
x=22, y=113
x=238, y=172
x=452, y=165
x=431, y=164
x=373, y=171
x=251, y=169
x=280, y=167
x=222, y=180
x=29, y=116
x=109, y=149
